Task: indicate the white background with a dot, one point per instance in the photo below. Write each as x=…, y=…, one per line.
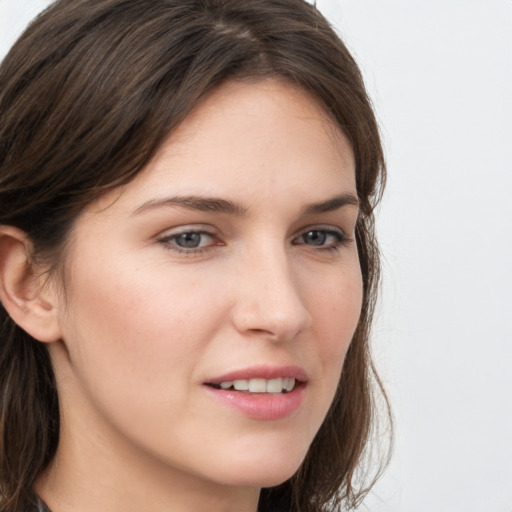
x=440, y=75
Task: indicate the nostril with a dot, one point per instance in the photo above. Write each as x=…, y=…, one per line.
x=265, y=332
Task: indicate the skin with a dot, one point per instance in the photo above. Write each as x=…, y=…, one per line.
x=143, y=323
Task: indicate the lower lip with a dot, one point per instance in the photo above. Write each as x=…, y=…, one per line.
x=261, y=406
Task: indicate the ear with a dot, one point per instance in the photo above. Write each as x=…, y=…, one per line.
x=22, y=288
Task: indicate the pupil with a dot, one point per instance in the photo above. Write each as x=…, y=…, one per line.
x=315, y=237
x=189, y=240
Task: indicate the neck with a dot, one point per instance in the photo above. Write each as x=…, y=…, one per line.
x=97, y=480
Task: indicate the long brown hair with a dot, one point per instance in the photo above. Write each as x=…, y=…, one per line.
x=88, y=94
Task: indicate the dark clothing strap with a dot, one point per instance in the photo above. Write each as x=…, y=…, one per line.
x=41, y=506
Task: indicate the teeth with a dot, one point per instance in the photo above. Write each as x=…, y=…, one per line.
x=289, y=385
x=260, y=385
x=241, y=385
x=274, y=385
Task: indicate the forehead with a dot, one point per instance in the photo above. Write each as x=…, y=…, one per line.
x=253, y=140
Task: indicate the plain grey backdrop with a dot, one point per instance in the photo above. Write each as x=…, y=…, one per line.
x=440, y=76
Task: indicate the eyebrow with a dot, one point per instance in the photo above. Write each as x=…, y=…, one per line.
x=332, y=204
x=202, y=204
x=218, y=205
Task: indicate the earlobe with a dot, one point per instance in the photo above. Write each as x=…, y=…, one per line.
x=22, y=292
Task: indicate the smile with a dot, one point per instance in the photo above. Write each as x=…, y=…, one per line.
x=278, y=385
x=261, y=392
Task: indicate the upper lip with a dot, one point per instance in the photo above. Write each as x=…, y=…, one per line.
x=262, y=372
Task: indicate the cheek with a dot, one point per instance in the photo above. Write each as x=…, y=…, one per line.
x=134, y=332
x=336, y=312
x=339, y=300
x=134, y=342
x=339, y=317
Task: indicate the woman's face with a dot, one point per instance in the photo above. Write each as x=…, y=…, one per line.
x=230, y=261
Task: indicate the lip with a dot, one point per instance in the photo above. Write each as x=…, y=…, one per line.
x=262, y=372
x=261, y=406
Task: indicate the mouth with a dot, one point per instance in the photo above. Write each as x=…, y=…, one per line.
x=262, y=392
x=279, y=385
x=261, y=379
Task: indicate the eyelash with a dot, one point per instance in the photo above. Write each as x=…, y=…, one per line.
x=340, y=240
x=169, y=242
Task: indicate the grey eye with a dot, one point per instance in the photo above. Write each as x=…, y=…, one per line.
x=315, y=237
x=188, y=240
x=322, y=238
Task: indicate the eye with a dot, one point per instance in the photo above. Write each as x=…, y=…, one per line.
x=188, y=241
x=323, y=238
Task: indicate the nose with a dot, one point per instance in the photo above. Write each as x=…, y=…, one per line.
x=269, y=301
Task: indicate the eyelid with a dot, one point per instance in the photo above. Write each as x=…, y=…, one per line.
x=187, y=228
x=341, y=236
x=166, y=238
x=329, y=228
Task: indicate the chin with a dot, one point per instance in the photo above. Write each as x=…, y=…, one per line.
x=259, y=472
x=276, y=477
x=259, y=478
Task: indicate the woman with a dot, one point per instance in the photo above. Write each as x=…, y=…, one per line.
x=188, y=264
